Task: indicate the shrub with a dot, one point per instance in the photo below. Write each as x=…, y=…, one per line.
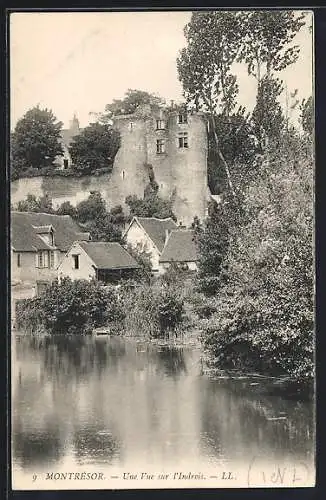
x=152, y=311
x=70, y=307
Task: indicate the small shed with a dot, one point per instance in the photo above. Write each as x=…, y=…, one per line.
x=108, y=262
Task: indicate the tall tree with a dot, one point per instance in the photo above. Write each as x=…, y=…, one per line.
x=267, y=48
x=267, y=117
x=267, y=37
x=204, y=67
x=94, y=148
x=35, y=141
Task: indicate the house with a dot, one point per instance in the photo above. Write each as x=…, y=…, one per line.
x=38, y=243
x=180, y=248
x=107, y=262
x=149, y=234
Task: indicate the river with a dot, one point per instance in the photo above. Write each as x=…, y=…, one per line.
x=124, y=407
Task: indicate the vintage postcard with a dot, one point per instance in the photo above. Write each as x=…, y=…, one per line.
x=162, y=250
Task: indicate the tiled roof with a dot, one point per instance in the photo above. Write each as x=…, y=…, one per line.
x=156, y=229
x=109, y=255
x=24, y=229
x=180, y=247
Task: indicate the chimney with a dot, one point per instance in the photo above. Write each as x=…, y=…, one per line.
x=172, y=104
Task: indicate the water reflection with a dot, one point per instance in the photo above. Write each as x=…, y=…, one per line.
x=114, y=401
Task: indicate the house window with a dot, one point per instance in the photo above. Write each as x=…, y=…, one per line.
x=160, y=125
x=51, y=259
x=65, y=163
x=160, y=146
x=183, y=140
x=182, y=118
x=40, y=259
x=76, y=261
x=19, y=260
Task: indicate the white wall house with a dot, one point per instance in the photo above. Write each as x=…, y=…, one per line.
x=150, y=234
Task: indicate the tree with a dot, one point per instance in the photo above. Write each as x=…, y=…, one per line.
x=267, y=116
x=94, y=148
x=267, y=36
x=239, y=147
x=131, y=101
x=267, y=48
x=307, y=115
x=66, y=208
x=103, y=225
x=265, y=318
x=35, y=142
x=43, y=204
x=204, y=67
x=212, y=240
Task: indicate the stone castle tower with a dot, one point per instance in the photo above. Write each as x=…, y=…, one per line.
x=174, y=143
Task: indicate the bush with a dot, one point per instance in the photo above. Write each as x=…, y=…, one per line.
x=70, y=307
x=152, y=311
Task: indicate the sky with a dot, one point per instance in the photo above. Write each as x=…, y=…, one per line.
x=77, y=62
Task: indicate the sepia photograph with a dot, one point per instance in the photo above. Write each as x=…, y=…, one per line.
x=162, y=284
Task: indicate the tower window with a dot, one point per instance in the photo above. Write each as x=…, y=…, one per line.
x=183, y=140
x=160, y=125
x=182, y=118
x=76, y=261
x=65, y=163
x=131, y=126
x=19, y=260
x=123, y=174
x=160, y=146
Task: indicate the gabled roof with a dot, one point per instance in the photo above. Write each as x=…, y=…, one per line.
x=25, y=231
x=156, y=229
x=180, y=247
x=108, y=255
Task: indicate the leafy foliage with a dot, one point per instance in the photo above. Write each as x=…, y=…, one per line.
x=307, y=115
x=94, y=148
x=264, y=318
x=153, y=311
x=267, y=36
x=239, y=147
x=35, y=142
x=268, y=119
x=204, y=65
x=103, y=225
x=43, y=204
x=212, y=239
x=70, y=307
x=151, y=205
x=66, y=208
x=131, y=101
